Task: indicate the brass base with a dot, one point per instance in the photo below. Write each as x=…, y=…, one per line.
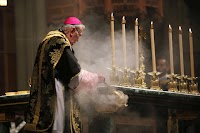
x=183, y=87
x=173, y=86
x=114, y=79
x=126, y=79
x=155, y=85
x=194, y=89
x=137, y=82
x=155, y=81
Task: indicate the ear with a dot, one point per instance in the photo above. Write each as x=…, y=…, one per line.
x=71, y=32
x=73, y=29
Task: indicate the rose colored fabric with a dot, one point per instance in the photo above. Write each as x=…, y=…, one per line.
x=88, y=80
x=73, y=21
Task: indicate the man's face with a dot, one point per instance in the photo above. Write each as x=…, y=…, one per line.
x=74, y=35
x=162, y=66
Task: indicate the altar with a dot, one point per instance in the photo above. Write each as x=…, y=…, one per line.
x=148, y=111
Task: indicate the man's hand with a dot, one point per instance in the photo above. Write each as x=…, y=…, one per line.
x=101, y=78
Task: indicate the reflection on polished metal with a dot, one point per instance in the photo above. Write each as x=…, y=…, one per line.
x=126, y=78
x=155, y=81
x=173, y=84
x=114, y=76
x=183, y=86
x=194, y=87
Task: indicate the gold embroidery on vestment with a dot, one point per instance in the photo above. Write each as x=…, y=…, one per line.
x=55, y=56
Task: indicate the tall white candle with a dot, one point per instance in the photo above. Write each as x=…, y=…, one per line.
x=171, y=50
x=153, y=47
x=136, y=44
x=124, y=39
x=181, y=51
x=112, y=38
x=191, y=53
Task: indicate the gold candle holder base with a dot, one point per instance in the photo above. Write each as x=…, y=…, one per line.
x=173, y=84
x=193, y=87
x=183, y=87
x=114, y=79
x=155, y=81
x=126, y=78
x=137, y=80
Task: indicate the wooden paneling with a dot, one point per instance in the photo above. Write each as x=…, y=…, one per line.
x=7, y=49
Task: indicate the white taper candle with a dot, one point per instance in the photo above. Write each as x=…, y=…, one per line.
x=136, y=44
x=171, y=50
x=112, y=38
x=181, y=51
x=124, y=39
x=191, y=53
x=153, y=47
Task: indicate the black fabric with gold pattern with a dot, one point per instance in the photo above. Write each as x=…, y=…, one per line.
x=43, y=93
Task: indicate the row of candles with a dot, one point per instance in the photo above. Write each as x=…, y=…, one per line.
x=124, y=41
x=153, y=48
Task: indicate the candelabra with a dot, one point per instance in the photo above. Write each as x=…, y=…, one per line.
x=140, y=74
x=173, y=83
x=114, y=76
x=142, y=71
x=183, y=86
x=194, y=87
x=155, y=81
x=137, y=79
x=126, y=78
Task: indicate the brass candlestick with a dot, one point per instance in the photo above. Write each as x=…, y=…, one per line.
x=155, y=81
x=137, y=80
x=183, y=86
x=142, y=71
x=173, y=84
x=114, y=76
x=140, y=74
x=194, y=87
x=126, y=78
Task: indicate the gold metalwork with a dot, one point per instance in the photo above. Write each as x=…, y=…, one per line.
x=173, y=84
x=114, y=76
x=142, y=71
x=137, y=80
x=155, y=81
x=193, y=87
x=140, y=74
x=126, y=78
x=183, y=86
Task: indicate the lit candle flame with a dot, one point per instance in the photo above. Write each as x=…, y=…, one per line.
x=151, y=24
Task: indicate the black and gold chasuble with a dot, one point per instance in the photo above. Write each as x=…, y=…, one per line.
x=55, y=59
